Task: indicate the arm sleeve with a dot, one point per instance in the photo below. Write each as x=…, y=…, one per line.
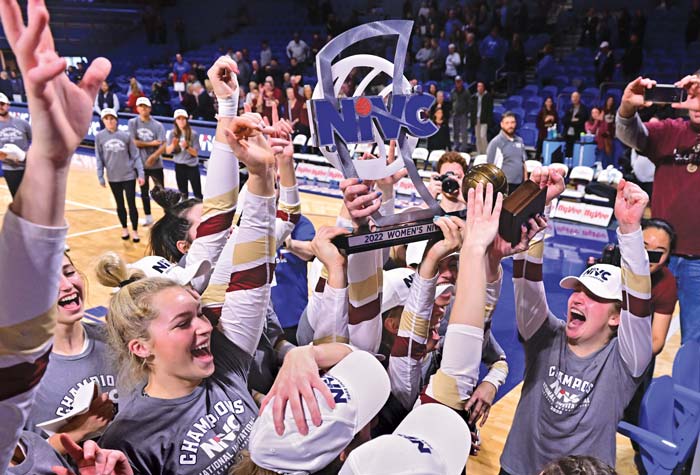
x=495, y=358
x=365, y=299
x=453, y=384
x=99, y=164
x=632, y=132
x=409, y=344
x=288, y=212
x=31, y=257
x=329, y=315
x=248, y=293
x=531, y=309
x=220, y=198
x=491, y=152
x=634, y=333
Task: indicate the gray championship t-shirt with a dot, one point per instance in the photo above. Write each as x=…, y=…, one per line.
x=513, y=153
x=198, y=434
x=66, y=374
x=116, y=152
x=183, y=157
x=147, y=132
x=569, y=405
x=15, y=131
x=39, y=457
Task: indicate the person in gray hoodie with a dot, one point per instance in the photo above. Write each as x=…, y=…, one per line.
x=117, y=152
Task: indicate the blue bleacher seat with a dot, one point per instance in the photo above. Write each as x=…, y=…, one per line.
x=528, y=133
x=531, y=116
x=513, y=101
x=686, y=371
x=549, y=91
x=533, y=103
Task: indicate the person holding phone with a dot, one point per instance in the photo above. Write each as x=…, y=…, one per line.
x=672, y=145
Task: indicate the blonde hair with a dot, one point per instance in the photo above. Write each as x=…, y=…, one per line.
x=246, y=466
x=130, y=314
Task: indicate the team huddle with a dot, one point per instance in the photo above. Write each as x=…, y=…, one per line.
x=191, y=372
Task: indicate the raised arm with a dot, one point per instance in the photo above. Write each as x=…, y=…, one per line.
x=221, y=189
x=629, y=127
x=410, y=343
x=33, y=234
x=634, y=332
x=454, y=382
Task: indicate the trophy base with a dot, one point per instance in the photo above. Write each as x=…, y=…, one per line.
x=365, y=239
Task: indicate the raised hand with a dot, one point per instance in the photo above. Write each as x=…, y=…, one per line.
x=692, y=85
x=323, y=247
x=480, y=402
x=452, y=231
x=61, y=111
x=482, y=218
x=550, y=178
x=633, y=96
x=501, y=248
x=93, y=460
x=630, y=203
x=223, y=77
x=245, y=136
x=359, y=200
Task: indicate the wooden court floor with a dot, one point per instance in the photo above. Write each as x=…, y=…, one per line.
x=95, y=229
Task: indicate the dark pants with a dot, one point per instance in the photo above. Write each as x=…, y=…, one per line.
x=13, y=179
x=128, y=188
x=158, y=179
x=503, y=472
x=184, y=174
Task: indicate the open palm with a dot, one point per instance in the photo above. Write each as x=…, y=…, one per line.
x=61, y=111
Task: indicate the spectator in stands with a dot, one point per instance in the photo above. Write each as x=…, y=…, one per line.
x=17, y=86
x=461, y=106
x=275, y=71
x=515, y=64
x=423, y=55
x=295, y=112
x=604, y=64
x=452, y=62
x=257, y=73
x=671, y=145
x=160, y=99
x=493, y=52
x=251, y=98
x=638, y=24
x=265, y=53
x=135, y=92
x=245, y=71
x=574, y=122
x=546, y=118
x=692, y=27
x=199, y=73
x=15, y=137
x=106, y=99
x=481, y=116
x=183, y=143
x=632, y=59
x=188, y=102
x=471, y=57
x=597, y=126
x=295, y=69
x=5, y=84
x=546, y=66
x=298, y=49
x=270, y=96
x=204, y=105
x=181, y=68
x=507, y=151
x=453, y=23
x=316, y=44
x=440, y=115
x=435, y=63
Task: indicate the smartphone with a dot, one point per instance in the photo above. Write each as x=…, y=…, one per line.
x=665, y=94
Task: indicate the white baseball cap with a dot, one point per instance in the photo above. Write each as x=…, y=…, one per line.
x=415, y=251
x=4, y=99
x=603, y=280
x=143, y=101
x=180, y=113
x=13, y=151
x=156, y=266
x=433, y=439
x=108, y=111
x=396, y=285
x=360, y=386
x=604, y=44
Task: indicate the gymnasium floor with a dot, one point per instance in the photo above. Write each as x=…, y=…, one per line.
x=94, y=229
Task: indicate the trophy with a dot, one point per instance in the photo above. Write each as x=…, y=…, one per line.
x=396, y=112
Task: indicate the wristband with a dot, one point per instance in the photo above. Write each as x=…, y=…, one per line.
x=228, y=106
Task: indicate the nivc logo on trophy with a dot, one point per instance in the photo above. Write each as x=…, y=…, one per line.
x=394, y=113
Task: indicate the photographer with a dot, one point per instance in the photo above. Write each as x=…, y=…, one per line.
x=451, y=169
x=671, y=144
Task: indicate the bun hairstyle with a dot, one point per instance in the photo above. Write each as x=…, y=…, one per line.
x=130, y=313
x=578, y=465
x=173, y=226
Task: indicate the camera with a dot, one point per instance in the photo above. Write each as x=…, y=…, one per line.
x=611, y=255
x=449, y=182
